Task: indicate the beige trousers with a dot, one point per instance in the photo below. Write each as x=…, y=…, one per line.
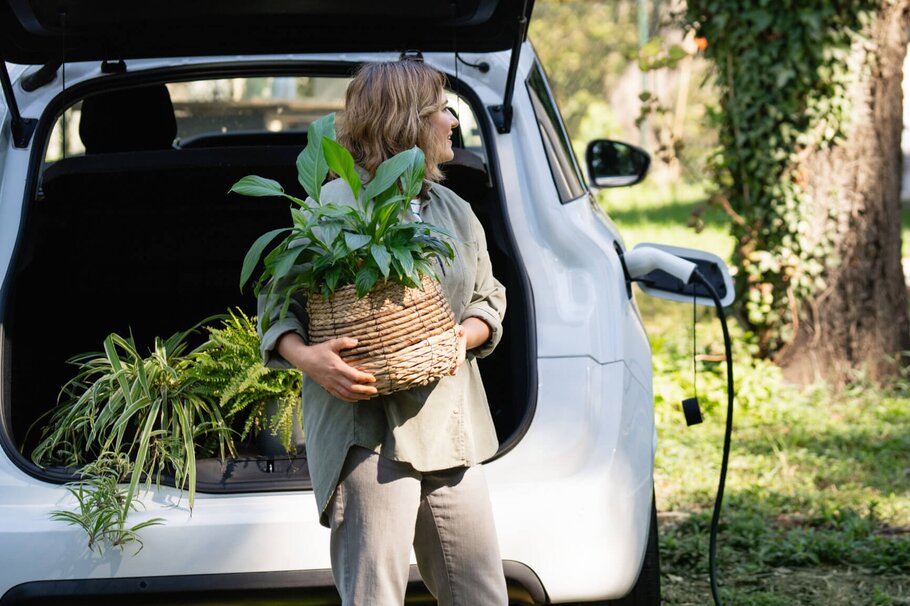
x=382, y=507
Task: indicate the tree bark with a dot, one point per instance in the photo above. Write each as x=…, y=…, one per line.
x=859, y=322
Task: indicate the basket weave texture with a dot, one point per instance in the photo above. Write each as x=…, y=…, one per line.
x=405, y=336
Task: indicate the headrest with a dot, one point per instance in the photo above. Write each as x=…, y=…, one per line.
x=128, y=120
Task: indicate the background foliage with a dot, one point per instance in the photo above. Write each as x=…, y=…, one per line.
x=783, y=71
x=817, y=508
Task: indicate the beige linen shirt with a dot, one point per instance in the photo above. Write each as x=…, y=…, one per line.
x=438, y=426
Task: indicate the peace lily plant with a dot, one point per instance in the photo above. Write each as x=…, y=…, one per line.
x=332, y=245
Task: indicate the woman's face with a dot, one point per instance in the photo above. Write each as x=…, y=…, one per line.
x=441, y=124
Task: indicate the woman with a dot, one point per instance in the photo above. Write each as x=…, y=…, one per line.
x=392, y=472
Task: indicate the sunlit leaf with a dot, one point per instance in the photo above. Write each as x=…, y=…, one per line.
x=388, y=173
x=253, y=185
x=342, y=163
x=312, y=166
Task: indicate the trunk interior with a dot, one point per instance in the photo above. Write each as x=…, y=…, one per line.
x=148, y=242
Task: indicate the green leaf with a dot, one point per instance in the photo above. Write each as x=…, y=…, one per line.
x=387, y=215
x=260, y=187
x=312, y=167
x=388, y=173
x=327, y=232
x=412, y=179
x=403, y=256
x=341, y=162
x=356, y=241
x=382, y=258
x=286, y=261
x=676, y=53
x=339, y=250
x=141, y=454
x=255, y=252
x=365, y=280
x=331, y=278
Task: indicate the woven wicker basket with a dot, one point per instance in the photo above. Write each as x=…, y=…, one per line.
x=405, y=336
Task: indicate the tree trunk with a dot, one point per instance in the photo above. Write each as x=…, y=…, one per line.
x=858, y=322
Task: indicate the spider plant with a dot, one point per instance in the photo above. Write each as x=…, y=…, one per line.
x=147, y=408
x=331, y=245
x=229, y=365
x=101, y=500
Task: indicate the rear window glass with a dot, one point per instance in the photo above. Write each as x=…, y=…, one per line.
x=247, y=111
x=238, y=105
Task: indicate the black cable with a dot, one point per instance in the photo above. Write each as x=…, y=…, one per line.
x=482, y=66
x=728, y=431
x=698, y=277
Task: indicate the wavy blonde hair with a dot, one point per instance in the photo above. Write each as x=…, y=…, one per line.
x=386, y=110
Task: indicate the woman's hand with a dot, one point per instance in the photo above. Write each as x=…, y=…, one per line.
x=471, y=333
x=323, y=364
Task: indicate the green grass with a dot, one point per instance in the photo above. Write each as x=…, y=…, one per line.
x=679, y=216
x=817, y=506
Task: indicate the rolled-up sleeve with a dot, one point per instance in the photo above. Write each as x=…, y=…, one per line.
x=488, y=301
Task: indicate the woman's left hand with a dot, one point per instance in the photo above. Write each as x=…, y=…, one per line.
x=462, y=335
x=473, y=332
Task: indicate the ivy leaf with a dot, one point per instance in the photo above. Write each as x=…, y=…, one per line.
x=382, y=258
x=312, y=167
x=256, y=186
x=365, y=279
x=342, y=163
x=356, y=241
x=252, y=255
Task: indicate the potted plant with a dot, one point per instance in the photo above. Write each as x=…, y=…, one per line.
x=253, y=399
x=369, y=273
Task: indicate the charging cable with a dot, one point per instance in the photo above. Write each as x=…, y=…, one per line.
x=637, y=264
x=728, y=432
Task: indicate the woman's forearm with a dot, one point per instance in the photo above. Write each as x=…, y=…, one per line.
x=477, y=332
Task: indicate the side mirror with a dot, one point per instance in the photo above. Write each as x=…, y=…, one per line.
x=615, y=164
x=661, y=284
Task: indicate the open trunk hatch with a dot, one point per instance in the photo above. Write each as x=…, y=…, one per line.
x=40, y=32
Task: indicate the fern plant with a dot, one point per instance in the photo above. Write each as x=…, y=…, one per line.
x=229, y=366
x=332, y=245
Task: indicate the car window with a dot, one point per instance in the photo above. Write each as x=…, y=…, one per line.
x=209, y=110
x=248, y=111
x=240, y=105
x=563, y=164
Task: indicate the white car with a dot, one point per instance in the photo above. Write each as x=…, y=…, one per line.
x=124, y=125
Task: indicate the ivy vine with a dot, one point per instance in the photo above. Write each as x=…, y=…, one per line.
x=782, y=67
